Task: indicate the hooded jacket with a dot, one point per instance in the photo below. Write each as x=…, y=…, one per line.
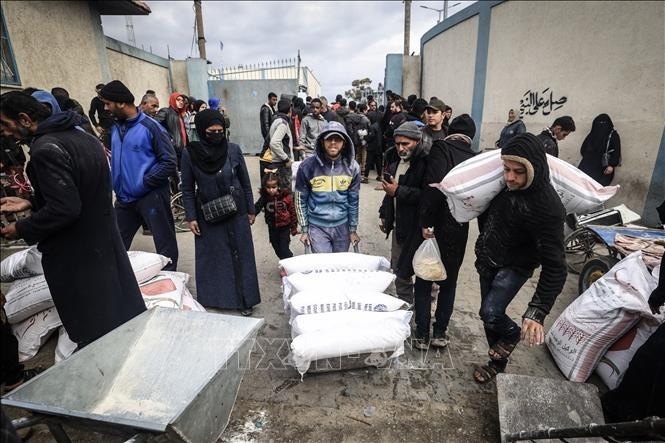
x=142, y=157
x=524, y=228
x=327, y=192
x=74, y=224
x=549, y=142
x=310, y=129
x=48, y=98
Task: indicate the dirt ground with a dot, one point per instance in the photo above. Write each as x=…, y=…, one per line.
x=421, y=397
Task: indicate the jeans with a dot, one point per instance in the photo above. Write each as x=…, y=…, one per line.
x=496, y=293
x=280, y=238
x=155, y=209
x=335, y=239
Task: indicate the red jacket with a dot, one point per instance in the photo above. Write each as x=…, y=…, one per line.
x=279, y=210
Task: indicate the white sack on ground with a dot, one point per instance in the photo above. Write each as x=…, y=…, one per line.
x=334, y=321
x=189, y=303
x=65, y=346
x=26, y=297
x=163, y=290
x=21, y=264
x=337, y=261
x=343, y=281
x=613, y=365
x=600, y=316
x=471, y=186
x=313, y=346
x=146, y=264
x=33, y=332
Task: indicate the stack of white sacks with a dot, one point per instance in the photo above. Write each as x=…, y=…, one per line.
x=338, y=308
x=33, y=316
x=605, y=326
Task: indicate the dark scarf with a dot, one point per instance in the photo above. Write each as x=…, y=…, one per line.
x=208, y=157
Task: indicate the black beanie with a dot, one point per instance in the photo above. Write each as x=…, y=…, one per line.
x=116, y=91
x=284, y=106
x=463, y=124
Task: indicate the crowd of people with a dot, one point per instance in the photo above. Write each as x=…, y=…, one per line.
x=409, y=144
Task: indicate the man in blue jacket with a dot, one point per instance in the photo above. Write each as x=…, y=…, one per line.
x=327, y=192
x=142, y=160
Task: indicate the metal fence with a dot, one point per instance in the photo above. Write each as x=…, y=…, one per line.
x=272, y=70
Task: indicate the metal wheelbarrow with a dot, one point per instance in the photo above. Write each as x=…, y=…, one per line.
x=166, y=376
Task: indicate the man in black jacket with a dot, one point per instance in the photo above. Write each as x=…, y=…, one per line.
x=104, y=120
x=522, y=229
x=268, y=109
x=559, y=130
x=84, y=260
x=403, y=183
x=437, y=222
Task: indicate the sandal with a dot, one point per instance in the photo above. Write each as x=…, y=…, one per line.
x=503, y=349
x=485, y=374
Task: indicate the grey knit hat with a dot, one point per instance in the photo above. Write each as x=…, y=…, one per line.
x=410, y=130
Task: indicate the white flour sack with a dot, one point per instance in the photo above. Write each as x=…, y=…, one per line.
x=22, y=264
x=606, y=311
x=33, y=332
x=26, y=297
x=189, y=303
x=146, y=264
x=163, y=290
x=317, y=301
x=335, y=280
x=471, y=186
x=375, y=301
x=613, y=365
x=336, y=261
x=339, y=342
x=65, y=346
x=333, y=321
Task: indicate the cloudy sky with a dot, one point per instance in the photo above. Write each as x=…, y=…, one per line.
x=340, y=41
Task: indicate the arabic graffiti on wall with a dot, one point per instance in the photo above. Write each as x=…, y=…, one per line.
x=533, y=102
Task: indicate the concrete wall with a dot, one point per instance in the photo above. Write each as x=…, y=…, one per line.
x=448, y=65
x=56, y=44
x=197, y=78
x=139, y=70
x=242, y=100
x=411, y=75
x=392, y=80
x=179, y=76
x=605, y=57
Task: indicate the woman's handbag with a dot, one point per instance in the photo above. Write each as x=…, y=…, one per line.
x=222, y=208
x=605, y=159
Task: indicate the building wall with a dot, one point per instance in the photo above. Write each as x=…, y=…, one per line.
x=242, y=100
x=55, y=44
x=448, y=66
x=179, y=76
x=605, y=57
x=393, y=74
x=138, y=70
x=411, y=75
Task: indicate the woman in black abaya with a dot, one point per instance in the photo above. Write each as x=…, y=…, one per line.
x=601, y=151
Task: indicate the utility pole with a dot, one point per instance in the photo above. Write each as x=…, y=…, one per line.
x=199, y=29
x=407, y=25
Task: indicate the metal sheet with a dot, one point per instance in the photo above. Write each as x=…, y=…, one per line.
x=147, y=373
x=533, y=403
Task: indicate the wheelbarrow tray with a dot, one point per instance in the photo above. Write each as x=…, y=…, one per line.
x=165, y=371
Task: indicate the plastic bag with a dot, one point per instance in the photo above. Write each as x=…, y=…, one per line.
x=427, y=262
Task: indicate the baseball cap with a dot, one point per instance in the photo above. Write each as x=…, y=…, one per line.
x=437, y=105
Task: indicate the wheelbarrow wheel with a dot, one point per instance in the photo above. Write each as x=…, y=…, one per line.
x=593, y=270
x=580, y=246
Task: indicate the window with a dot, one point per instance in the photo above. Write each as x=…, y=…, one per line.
x=8, y=69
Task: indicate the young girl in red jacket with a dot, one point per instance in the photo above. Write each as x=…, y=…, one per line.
x=280, y=214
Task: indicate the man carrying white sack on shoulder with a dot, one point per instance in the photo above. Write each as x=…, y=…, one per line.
x=521, y=230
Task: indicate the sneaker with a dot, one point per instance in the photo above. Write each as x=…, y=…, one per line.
x=440, y=341
x=378, y=178
x=421, y=343
x=247, y=312
x=364, y=180
x=147, y=232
